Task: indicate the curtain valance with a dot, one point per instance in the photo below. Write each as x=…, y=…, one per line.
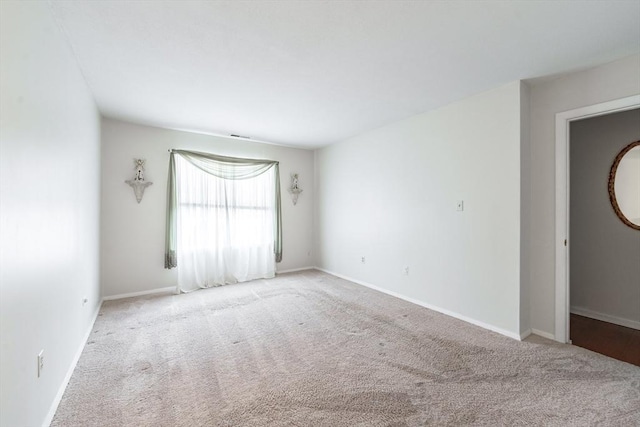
x=231, y=168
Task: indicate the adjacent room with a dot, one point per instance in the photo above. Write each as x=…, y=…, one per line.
x=319, y=213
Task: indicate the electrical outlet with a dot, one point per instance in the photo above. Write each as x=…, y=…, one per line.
x=40, y=362
x=460, y=205
x=363, y=260
x=406, y=270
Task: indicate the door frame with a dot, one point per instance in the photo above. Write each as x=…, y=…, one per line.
x=563, y=121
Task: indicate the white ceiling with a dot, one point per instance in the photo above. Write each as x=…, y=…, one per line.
x=311, y=73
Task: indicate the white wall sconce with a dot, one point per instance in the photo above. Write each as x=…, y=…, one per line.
x=138, y=183
x=294, y=189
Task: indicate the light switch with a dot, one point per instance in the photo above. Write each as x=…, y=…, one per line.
x=460, y=205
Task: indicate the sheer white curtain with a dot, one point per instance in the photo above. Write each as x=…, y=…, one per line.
x=225, y=227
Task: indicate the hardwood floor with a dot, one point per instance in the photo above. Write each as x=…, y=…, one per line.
x=606, y=338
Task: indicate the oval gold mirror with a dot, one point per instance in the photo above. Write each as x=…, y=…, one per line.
x=624, y=185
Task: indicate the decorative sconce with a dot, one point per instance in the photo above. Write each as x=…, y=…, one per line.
x=138, y=183
x=294, y=190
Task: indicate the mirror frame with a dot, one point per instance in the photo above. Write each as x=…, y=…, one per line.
x=612, y=180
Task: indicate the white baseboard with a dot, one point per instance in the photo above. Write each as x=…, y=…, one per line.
x=605, y=317
x=72, y=367
x=291, y=270
x=137, y=294
x=525, y=334
x=543, y=334
x=426, y=305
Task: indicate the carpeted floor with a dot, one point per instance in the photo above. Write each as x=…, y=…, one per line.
x=309, y=349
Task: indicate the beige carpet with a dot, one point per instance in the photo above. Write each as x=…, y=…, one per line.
x=309, y=349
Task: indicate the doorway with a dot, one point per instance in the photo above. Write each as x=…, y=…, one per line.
x=604, y=261
x=562, y=246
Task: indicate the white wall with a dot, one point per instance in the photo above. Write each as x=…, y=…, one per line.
x=132, y=234
x=525, y=209
x=608, y=82
x=49, y=198
x=390, y=195
x=605, y=252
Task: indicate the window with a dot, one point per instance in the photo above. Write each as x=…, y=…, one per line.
x=227, y=230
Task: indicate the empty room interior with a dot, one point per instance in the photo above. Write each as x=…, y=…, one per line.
x=319, y=213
